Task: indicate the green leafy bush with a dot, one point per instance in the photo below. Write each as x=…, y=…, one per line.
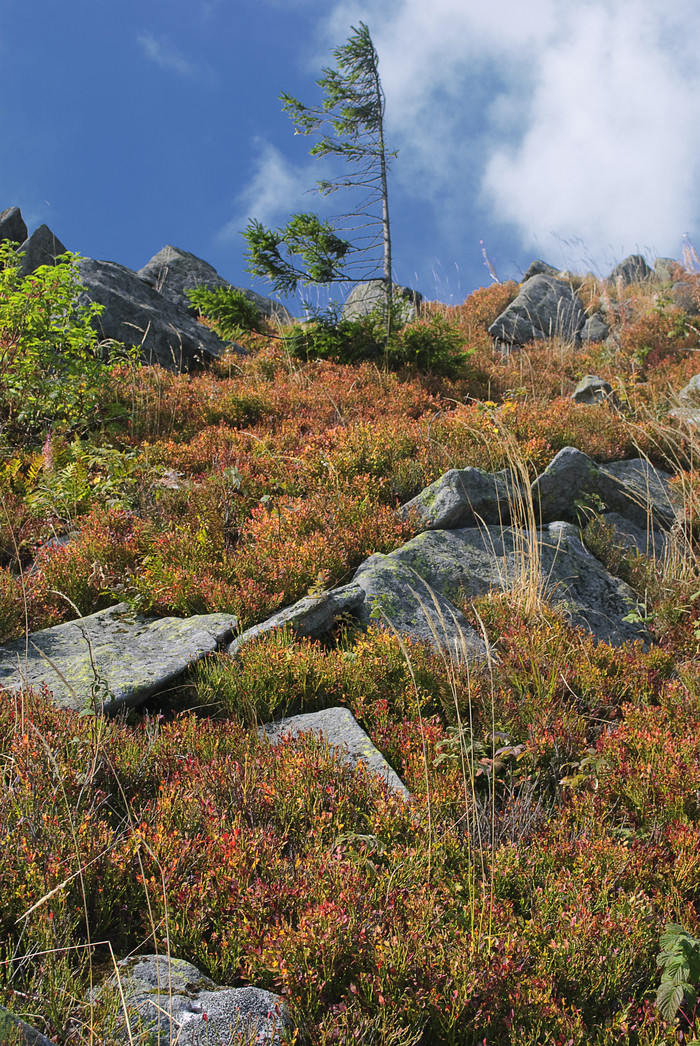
x=52, y=375
x=432, y=345
x=679, y=960
x=228, y=309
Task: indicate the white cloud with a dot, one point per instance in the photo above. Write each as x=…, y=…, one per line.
x=564, y=120
x=166, y=56
x=276, y=189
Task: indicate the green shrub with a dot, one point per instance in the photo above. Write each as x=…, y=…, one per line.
x=229, y=310
x=433, y=345
x=679, y=960
x=51, y=373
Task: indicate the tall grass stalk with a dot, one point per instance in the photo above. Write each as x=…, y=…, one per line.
x=456, y=660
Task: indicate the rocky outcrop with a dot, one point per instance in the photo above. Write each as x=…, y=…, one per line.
x=172, y=272
x=148, y=309
x=633, y=269
x=340, y=728
x=686, y=296
x=12, y=226
x=112, y=659
x=133, y=313
x=473, y=544
x=366, y=297
x=539, y=268
x=401, y=595
x=690, y=393
x=573, y=485
x=473, y=561
x=546, y=307
x=41, y=248
x=666, y=269
x=172, y=1003
x=474, y=541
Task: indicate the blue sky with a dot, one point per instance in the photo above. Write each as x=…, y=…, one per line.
x=544, y=128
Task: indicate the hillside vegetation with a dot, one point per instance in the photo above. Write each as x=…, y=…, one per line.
x=554, y=828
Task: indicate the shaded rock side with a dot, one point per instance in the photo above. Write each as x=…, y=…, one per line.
x=172, y=272
x=366, y=297
x=136, y=314
x=632, y=269
x=340, y=728
x=573, y=487
x=464, y=497
x=41, y=248
x=179, y=1006
x=545, y=307
x=595, y=328
x=14, y=1029
x=116, y=655
x=632, y=538
x=12, y=226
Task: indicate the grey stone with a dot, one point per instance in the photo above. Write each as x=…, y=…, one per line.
x=12, y=226
x=573, y=485
x=592, y=389
x=42, y=248
x=130, y=656
x=633, y=269
x=666, y=269
x=173, y=271
x=366, y=297
x=595, y=328
x=415, y=590
x=136, y=314
x=15, y=1029
x=539, y=268
x=310, y=617
x=180, y=1006
x=686, y=296
x=341, y=729
x=649, y=486
x=464, y=497
x=690, y=393
x=418, y=580
x=687, y=416
x=398, y=597
x=545, y=307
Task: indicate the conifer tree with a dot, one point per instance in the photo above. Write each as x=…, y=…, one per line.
x=349, y=124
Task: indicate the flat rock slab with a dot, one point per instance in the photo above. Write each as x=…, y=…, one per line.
x=115, y=658
x=341, y=729
x=169, y=998
x=309, y=617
